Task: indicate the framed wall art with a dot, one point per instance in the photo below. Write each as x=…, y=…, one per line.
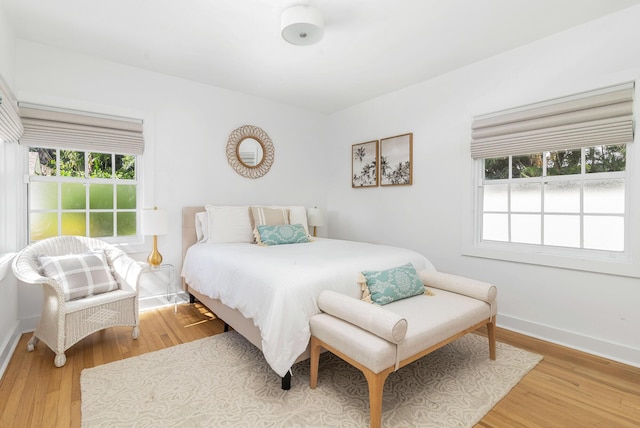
x=396, y=160
x=364, y=164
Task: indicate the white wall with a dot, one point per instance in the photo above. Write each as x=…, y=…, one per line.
x=7, y=47
x=187, y=126
x=8, y=287
x=585, y=310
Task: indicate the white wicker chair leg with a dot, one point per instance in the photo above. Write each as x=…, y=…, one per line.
x=31, y=345
x=60, y=360
x=135, y=333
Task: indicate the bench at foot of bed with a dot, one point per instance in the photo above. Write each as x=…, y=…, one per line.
x=380, y=339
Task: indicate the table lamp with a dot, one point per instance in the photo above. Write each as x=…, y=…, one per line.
x=315, y=218
x=154, y=222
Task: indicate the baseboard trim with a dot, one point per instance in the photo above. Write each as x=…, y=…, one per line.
x=9, y=346
x=591, y=345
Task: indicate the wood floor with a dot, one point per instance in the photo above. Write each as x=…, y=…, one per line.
x=567, y=389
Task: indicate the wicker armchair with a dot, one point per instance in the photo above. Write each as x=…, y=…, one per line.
x=64, y=323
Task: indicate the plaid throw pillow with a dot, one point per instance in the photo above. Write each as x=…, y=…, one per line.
x=80, y=275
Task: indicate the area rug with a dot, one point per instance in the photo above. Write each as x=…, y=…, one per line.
x=224, y=381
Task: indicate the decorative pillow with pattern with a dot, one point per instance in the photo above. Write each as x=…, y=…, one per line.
x=386, y=286
x=80, y=275
x=281, y=234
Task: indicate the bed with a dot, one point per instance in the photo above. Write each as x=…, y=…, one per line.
x=269, y=293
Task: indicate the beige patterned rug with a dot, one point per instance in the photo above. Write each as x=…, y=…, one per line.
x=223, y=381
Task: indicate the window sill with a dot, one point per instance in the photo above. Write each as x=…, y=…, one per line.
x=600, y=261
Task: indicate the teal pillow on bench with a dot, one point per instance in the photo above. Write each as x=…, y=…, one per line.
x=386, y=286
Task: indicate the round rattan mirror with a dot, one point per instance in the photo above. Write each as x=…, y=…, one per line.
x=250, y=151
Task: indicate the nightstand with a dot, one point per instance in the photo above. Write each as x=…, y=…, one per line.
x=158, y=286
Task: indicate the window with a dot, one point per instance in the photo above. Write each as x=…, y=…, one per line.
x=83, y=172
x=553, y=183
x=81, y=193
x=570, y=198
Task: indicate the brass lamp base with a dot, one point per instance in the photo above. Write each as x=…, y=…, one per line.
x=155, y=258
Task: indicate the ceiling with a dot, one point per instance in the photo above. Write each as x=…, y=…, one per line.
x=370, y=47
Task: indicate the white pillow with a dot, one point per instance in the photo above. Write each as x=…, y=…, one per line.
x=229, y=224
x=297, y=215
x=80, y=275
x=202, y=226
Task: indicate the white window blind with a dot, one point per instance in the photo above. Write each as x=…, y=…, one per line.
x=54, y=128
x=10, y=125
x=600, y=117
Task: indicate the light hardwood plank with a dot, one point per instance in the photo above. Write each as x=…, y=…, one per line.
x=567, y=389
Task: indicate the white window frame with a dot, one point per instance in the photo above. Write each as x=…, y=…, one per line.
x=10, y=174
x=626, y=263
x=144, y=166
x=87, y=210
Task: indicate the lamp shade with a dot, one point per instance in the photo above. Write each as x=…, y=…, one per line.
x=315, y=216
x=153, y=222
x=302, y=25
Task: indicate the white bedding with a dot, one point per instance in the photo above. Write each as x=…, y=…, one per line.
x=278, y=286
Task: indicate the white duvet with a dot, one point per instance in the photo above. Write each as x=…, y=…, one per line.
x=278, y=286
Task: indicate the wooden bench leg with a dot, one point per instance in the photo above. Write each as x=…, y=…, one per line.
x=315, y=361
x=376, y=387
x=375, y=381
x=491, y=334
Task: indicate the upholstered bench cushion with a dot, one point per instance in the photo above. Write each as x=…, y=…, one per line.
x=461, y=285
x=432, y=319
x=365, y=332
x=371, y=351
x=364, y=335
x=373, y=318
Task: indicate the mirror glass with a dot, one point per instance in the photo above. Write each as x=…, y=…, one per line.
x=250, y=152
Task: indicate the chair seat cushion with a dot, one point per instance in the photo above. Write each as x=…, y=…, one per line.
x=98, y=300
x=79, y=275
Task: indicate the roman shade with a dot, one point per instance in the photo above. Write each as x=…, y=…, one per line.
x=53, y=128
x=10, y=125
x=598, y=117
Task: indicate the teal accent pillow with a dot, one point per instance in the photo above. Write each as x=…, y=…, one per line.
x=393, y=284
x=280, y=234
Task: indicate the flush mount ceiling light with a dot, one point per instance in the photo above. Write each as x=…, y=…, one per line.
x=302, y=25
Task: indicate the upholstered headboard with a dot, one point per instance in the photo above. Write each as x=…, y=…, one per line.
x=189, y=227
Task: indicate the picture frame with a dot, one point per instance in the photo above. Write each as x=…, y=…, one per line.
x=396, y=160
x=364, y=164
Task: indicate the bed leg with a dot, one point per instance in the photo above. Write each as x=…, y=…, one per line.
x=192, y=298
x=286, y=381
x=226, y=327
